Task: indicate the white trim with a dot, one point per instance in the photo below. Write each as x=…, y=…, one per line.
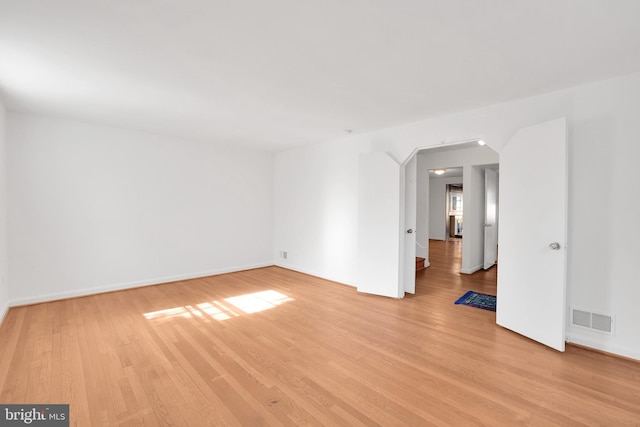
x=444, y=143
x=471, y=270
x=613, y=349
x=312, y=273
x=3, y=312
x=129, y=285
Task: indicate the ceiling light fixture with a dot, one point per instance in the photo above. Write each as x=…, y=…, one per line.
x=481, y=142
x=439, y=171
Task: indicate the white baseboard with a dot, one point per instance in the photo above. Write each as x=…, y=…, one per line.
x=608, y=348
x=471, y=270
x=3, y=312
x=129, y=285
x=312, y=273
x=427, y=264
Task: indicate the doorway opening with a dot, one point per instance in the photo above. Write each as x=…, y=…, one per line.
x=455, y=211
x=386, y=234
x=450, y=209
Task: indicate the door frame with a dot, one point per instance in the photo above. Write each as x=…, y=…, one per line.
x=491, y=228
x=414, y=153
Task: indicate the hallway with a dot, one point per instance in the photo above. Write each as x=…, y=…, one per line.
x=443, y=279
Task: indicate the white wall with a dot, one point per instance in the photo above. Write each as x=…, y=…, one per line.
x=4, y=265
x=316, y=209
x=94, y=208
x=473, y=245
x=603, y=152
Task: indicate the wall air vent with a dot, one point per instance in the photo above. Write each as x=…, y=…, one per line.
x=591, y=320
x=581, y=318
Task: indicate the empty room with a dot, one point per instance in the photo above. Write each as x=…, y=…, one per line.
x=286, y=213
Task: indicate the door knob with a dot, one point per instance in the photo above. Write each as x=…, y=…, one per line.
x=554, y=246
x=409, y=231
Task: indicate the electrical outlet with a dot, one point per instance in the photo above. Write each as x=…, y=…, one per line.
x=283, y=254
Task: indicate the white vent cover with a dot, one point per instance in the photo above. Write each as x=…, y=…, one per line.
x=595, y=321
x=581, y=318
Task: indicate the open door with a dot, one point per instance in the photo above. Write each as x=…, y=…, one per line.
x=386, y=232
x=379, y=225
x=490, y=218
x=410, y=172
x=533, y=230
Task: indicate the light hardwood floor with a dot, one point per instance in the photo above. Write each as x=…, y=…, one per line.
x=304, y=351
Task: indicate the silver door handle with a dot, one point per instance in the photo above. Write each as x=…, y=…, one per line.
x=487, y=225
x=409, y=231
x=554, y=246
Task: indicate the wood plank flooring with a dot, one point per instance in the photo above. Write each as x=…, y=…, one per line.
x=274, y=347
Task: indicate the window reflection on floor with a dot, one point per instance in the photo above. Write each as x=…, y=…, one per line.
x=232, y=307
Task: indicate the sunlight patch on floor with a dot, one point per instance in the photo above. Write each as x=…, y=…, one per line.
x=258, y=301
x=248, y=303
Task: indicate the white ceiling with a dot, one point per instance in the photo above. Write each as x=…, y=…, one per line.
x=282, y=73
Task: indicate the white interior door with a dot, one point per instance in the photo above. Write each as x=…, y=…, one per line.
x=379, y=224
x=490, y=218
x=533, y=229
x=409, y=229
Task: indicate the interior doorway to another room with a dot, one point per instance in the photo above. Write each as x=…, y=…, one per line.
x=455, y=211
x=451, y=204
x=389, y=211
